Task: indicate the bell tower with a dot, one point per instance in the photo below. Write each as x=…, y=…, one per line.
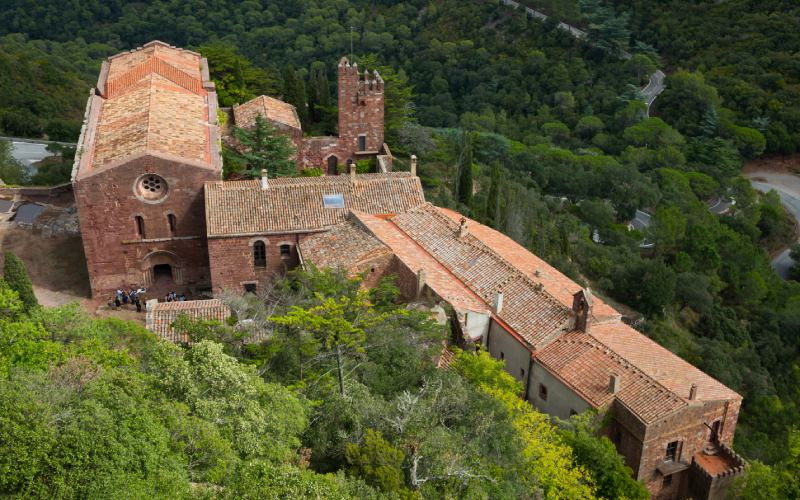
x=361, y=100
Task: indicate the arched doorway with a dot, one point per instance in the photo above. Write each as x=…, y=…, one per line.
x=161, y=269
x=333, y=162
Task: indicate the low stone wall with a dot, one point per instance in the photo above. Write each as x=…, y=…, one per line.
x=61, y=194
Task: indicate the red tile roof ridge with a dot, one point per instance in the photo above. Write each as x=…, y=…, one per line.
x=602, y=312
x=480, y=245
x=153, y=65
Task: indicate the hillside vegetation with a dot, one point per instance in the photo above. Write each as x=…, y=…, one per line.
x=545, y=138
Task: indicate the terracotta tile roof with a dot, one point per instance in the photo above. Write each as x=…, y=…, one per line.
x=528, y=308
x=556, y=283
x=443, y=282
x=161, y=315
x=295, y=204
x=586, y=365
x=344, y=246
x=155, y=99
x=660, y=363
x=268, y=107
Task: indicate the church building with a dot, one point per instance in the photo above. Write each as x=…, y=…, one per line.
x=154, y=211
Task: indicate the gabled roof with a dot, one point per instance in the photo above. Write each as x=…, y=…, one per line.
x=553, y=280
x=344, y=246
x=437, y=276
x=154, y=100
x=586, y=365
x=528, y=308
x=161, y=315
x=270, y=108
x=660, y=363
x=296, y=204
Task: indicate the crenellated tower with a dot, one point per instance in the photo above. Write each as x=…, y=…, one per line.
x=361, y=100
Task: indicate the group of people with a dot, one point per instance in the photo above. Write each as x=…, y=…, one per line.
x=123, y=298
x=174, y=297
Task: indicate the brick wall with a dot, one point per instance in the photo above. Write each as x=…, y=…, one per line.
x=107, y=206
x=231, y=260
x=361, y=109
x=688, y=427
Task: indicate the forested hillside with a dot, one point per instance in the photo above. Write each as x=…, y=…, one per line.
x=523, y=127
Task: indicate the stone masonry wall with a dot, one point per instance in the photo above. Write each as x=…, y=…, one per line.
x=361, y=109
x=107, y=206
x=232, y=266
x=688, y=427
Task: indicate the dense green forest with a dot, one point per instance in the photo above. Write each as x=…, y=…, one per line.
x=550, y=133
x=100, y=407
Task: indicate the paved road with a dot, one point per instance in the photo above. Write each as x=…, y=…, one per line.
x=29, y=151
x=654, y=87
x=788, y=188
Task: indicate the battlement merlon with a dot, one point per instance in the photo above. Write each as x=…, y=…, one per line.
x=366, y=83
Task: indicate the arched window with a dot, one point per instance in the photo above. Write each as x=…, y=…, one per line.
x=173, y=224
x=140, y=226
x=259, y=254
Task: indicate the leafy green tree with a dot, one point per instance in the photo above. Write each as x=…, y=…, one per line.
x=16, y=277
x=264, y=148
x=605, y=29
x=235, y=77
x=378, y=462
x=597, y=454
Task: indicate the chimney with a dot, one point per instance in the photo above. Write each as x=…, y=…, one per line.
x=693, y=392
x=420, y=282
x=498, y=302
x=352, y=167
x=613, y=383
x=462, y=228
x=413, y=164
x=264, y=179
x=582, y=307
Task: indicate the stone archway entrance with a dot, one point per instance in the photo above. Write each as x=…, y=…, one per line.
x=161, y=268
x=333, y=163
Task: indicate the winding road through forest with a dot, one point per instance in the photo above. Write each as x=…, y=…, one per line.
x=653, y=88
x=787, y=185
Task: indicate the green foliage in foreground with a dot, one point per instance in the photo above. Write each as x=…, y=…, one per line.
x=94, y=407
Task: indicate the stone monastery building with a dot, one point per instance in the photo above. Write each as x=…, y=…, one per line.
x=153, y=209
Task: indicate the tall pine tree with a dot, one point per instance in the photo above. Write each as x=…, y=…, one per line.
x=265, y=148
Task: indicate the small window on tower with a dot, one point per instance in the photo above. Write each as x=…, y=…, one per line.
x=286, y=250
x=672, y=451
x=140, y=226
x=249, y=288
x=173, y=224
x=362, y=142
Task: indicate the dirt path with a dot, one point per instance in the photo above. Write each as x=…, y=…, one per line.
x=57, y=268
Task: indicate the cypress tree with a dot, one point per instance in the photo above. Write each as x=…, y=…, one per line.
x=493, y=198
x=294, y=91
x=16, y=277
x=465, y=169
